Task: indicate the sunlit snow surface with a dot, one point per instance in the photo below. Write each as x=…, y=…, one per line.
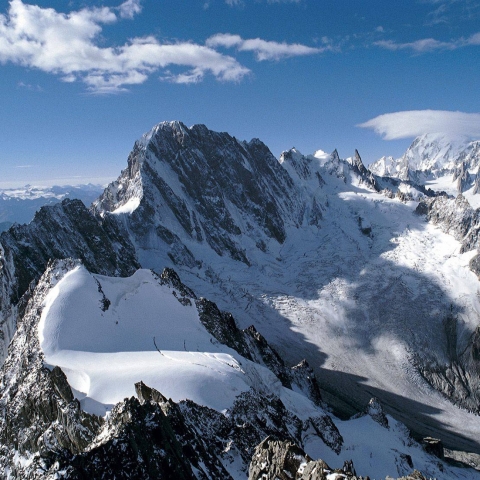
x=104, y=353
x=447, y=185
x=357, y=306
x=128, y=207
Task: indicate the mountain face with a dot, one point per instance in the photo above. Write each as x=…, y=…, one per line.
x=372, y=280
x=206, y=187
x=432, y=153
x=433, y=157
x=307, y=249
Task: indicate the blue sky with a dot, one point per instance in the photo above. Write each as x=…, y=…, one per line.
x=81, y=81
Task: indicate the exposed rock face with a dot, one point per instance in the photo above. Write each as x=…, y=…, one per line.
x=367, y=176
x=37, y=409
x=476, y=184
x=303, y=379
x=66, y=230
x=462, y=177
x=456, y=217
x=274, y=459
x=282, y=460
x=458, y=379
x=222, y=180
x=375, y=410
x=434, y=446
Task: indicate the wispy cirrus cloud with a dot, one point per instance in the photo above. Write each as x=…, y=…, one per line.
x=68, y=45
x=409, y=124
x=451, y=11
x=263, y=49
x=430, y=44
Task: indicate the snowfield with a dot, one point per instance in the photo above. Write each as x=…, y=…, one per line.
x=109, y=333
x=144, y=334
x=358, y=306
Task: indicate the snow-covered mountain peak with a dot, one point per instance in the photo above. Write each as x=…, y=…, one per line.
x=432, y=154
x=207, y=187
x=383, y=166
x=436, y=151
x=172, y=126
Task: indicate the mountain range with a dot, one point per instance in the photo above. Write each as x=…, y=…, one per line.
x=214, y=295
x=20, y=204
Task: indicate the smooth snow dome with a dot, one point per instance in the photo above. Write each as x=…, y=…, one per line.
x=104, y=353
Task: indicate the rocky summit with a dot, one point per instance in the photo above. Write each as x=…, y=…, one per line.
x=220, y=313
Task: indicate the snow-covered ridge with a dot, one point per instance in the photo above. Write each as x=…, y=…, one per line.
x=434, y=153
x=18, y=205
x=91, y=328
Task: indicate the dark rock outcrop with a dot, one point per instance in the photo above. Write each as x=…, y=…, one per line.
x=283, y=460
x=434, y=446
x=375, y=411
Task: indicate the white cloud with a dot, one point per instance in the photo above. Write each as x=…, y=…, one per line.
x=409, y=124
x=430, y=44
x=67, y=45
x=29, y=86
x=130, y=8
x=263, y=49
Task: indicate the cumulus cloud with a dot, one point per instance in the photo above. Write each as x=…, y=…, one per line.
x=68, y=45
x=130, y=8
x=430, y=44
x=263, y=49
x=409, y=124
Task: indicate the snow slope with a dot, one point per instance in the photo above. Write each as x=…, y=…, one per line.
x=325, y=267
x=360, y=306
x=144, y=334
x=109, y=333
